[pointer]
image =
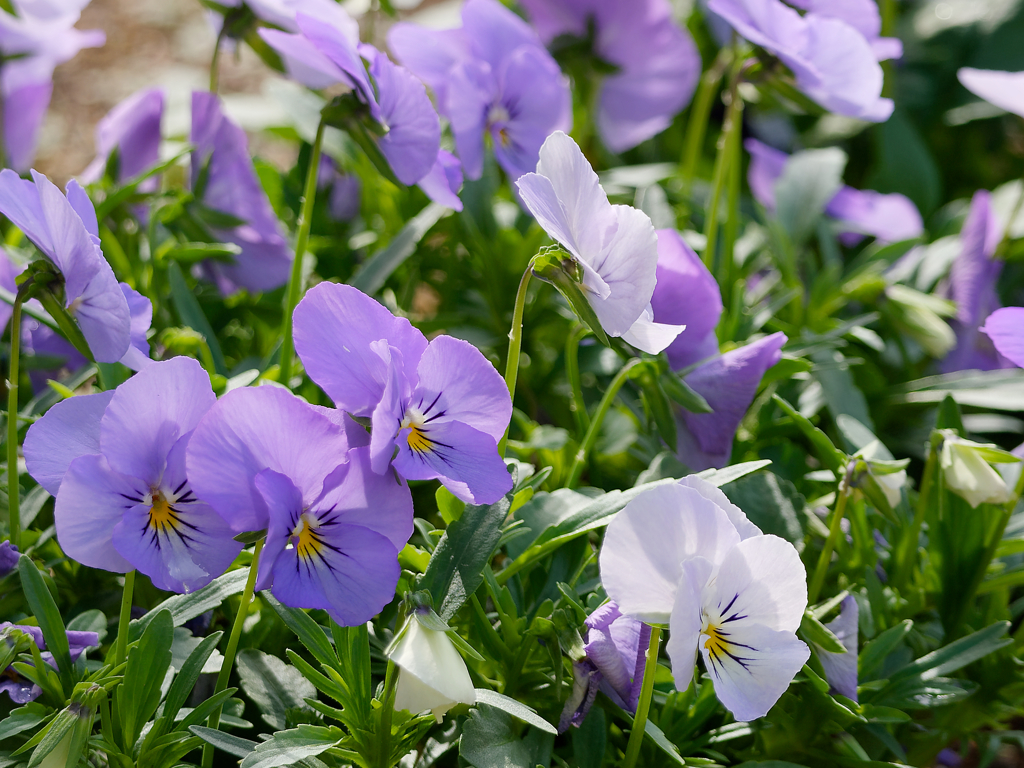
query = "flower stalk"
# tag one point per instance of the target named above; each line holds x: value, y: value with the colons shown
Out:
x: 125, y: 617
x: 13, y: 488
x: 728, y: 155
x: 515, y: 343
x: 643, y: 707
x: 906, y: 555
x: 834, y: 530
x: 572, y: 372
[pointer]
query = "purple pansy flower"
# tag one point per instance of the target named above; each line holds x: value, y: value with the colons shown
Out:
x: 116, y: 463
x: 492, y: 77
x: 327, y: 52
x: 616, y: 649
x: 343, y: 198
x: 8, y: 558
x: 972, y: 285
x: 862, y: 15
x: 64, y: 230
x: 832, y: 61
x: 133, y: 129
x: 688, y: 295
x: 263, y: 458
x: 728, y: 383
x: 841, y: 668
x: 23, y: 691
x: 888, y: 218
x: 615, y: 245
x: 444, y: 181
x: 441, y: 405
x: 1003, y: 89
x: 1006, y: 329
x: 657, y: 62
x: 232, y: 187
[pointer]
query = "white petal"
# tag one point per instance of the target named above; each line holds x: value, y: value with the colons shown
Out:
x: 649, y: 336
x: 648, y: 541
x: 968, y: 474
x: 761, y: 580
x: 754, y: 668
x: 686, y: 622
x: 737, y: 517
x: 434, y: 674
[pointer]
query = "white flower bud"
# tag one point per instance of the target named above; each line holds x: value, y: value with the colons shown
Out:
x: 968, y: 473
x: 433, y: 675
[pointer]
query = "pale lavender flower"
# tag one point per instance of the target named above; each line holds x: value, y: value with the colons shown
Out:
x: 841, y: 668
x: 657, y: 64
x: 862, y: 15
x: 1003, y: 89
x: 133, y: 129
x: 444, y: 181
x: 1006, y: 329
x: 343, y: 190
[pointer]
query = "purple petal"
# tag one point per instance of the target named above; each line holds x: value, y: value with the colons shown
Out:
x: 974, y: 273
x: 345, y: 197
x: 728, y: 383
x: 1003, y: 89
x: 686, y: 294
x: 133, y: 129
x: 284, y: 502
x: 766, y: 166
x: 82, y: 205
x: 141, y: 309
x: 495, y: 32
x: 253, y: 429
x: 337, y: 38
x: 464, y: 459
x: 841, y: 668
x: 628, y: 265
x: 70, y: 429
x: 92, y: 500
x: 613, y: 644
x: 768, y: 23
x: 9, y: 272
x: 471, y: 89
x: 304, y: 62
x: 457, y: 383
x: 1006, y: 329
x: 334, y: 327
x: 24, y: 109
x: 387, y: 416
x: 429, y: 54
x: 21, y: 691
x: 444, y: 181
x: 889, y: 218
x: 19, y: 202
x: 8, y: 558
x: 552, y: 19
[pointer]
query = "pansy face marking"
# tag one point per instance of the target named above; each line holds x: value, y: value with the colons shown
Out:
x: 716, y: 639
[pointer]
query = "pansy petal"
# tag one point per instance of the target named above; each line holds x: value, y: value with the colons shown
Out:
x: 150, y: 412
x: 133, y: 128
x: 1004, y: 89
x: 387, y: 416
x: 334, y: 41
x: 628, y: 265
x: 92, y: 500
x: 334, y: 326
x: 649, y: 336
x: 495, y: 31
x: 284, y: 504
x: 19, y: 202
x: 737, y: 517
x: 25, y: 106
x: 647, y: 542
x: 889, y: 218
x: 82, y: 205
x: 141, y: 309
x: 841, y: 668
x: 444, y: 180
x: 70, y: 429
x: 464, y: 459
x: 303, y: 62
x: 766, y: 166
x: 685, y: 623
x: 430, y: 54
x: 1006, y: 329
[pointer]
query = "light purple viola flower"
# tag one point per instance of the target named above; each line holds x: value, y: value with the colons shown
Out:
x: 442, y: 404
x: 263, y: 458
x: 129, y: 505
x: 1003, y: 89
x: 658, y: 64
x: 728, y: 383
x: 343, y: 196
x: 444, y: 181
x: 832, y: 61
x: 63, y: 229
x: 21, y: 690
x: 141, y: 309
x: 133, y: 129
x: 26, y: 100
x: 615, y: 245
x: 688, y: 295
x: 232, y: 187
x: 8, y: 558
x: 972, y: 285
x: 888, y: 218
x: 1006, y: 329
x: 862, y: 15
x: 492, y: 76
x: 841, y: 668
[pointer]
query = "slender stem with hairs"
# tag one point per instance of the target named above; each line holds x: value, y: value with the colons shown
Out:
x: 13, y: 488
x: 643, y: 707
x: 572, y: 372
x: 515, y: 343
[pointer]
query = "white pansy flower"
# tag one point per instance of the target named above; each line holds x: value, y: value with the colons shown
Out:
x: 967, y: 469
x: 432, y: 674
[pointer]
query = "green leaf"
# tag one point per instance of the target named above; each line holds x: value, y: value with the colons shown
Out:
x: 191, y: 314
x: 192, y: 253
x: 372, y: 275
x: 186, y: 607
x: 273, y: 686
x: 233, y: 745
x: 829, y: 455
x: 125, y: 192
x: 874, y: 653
x: 22, y: 719
x: 813, y: 631
x: 732, y: 473
x: 287, y: 747
x: 772, y: 503
x: 490, y: 740
x: 45, y: 610
x: 515, y: 708
x: 186, y: 679
x: 449, y: 505
x: 683, y: 395
x: 456, y: 566
x: 658, y: 737
x: 310, y: 634
x: 148, y: 661
x: 958, y: 654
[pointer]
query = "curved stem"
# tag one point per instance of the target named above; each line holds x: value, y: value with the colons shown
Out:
x: 215, y: 59
x: 572, y: 372
x: 643, y: 707
x: 515, y: 343
x: 124, y: 618
x: 595, y: 424
x: 830, y: 543
x: 734, y: 162
x: 13, y: 488
x: 732, y: 125
x: 909, y: 544
x: 294, y: 292
x: 229, y: 653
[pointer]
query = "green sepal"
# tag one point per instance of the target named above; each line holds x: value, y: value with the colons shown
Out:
x: 556, y: 266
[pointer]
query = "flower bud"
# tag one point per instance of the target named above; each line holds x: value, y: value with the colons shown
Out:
x: 967, y: 468
x: 432, y: 673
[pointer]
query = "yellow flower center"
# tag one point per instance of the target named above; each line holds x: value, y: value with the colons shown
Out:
x: 418, y: 440
x: 161, y: 514
x: 305, y: 537
x: 716, y: 645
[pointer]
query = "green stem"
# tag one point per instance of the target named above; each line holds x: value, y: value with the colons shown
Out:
x: 733, y: 123
x: 13, y: 488
x: 301, y: 240
x: 572, y: 372
x: 229, y: 654
x: 386, y: 711
x: 215, y: 59
x: 643, y: 707
x: 835, y: 528
x: 515, y: 343
x: 595, y: 425
x: 732, y: 223
x: 124, y: 618
x: 909, y: 544
x: 697, y: 124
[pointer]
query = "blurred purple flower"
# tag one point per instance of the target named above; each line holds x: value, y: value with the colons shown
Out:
x: 133, y: 129
x: 326, y: 51
x: 343, y: 197
x: 442, y: 404
x: 841, y: 668
x: 833, y: 62
x: 686, y: 294
x: 888, y: 218
x: 728, y: 383
x: 1003, y: 89
x: 232, y: 187
x: 21, y: 690
x: 492, y: 77
x: 64, y: 229
x: 8, y: 557
x: 862, y: 15
x: 444, y: 181
x: 116, y: 464
x: 1006, y: 329
x: 972, y: 285
x: 657, y: 64
x: 263, y: 458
